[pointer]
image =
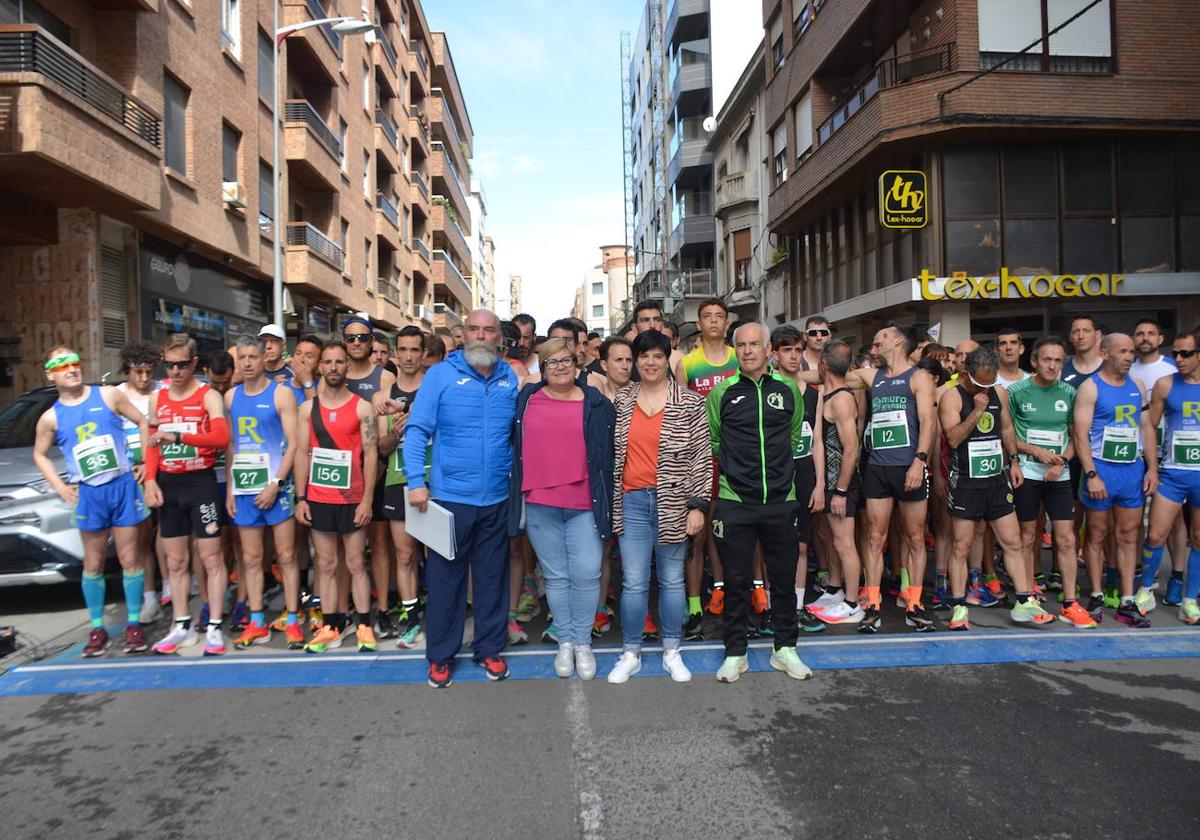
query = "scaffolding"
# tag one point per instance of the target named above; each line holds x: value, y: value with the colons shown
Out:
x: 629, y: 174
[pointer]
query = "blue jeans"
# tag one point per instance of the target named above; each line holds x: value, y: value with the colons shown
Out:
x: 569, y: 549
x: 638, y: 544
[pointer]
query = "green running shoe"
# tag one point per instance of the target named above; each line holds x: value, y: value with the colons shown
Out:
x: 1031, y: 612
x: 787, y: 660
x: 1189, y: 611
x: 732, y: 668
x: 1112, y: 599
x: 1144, y: 599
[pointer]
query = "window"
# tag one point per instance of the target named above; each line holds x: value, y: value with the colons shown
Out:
x: 266, y: 195
x: 804, y: 128
x: 598, y: 311
x: 1147, y: 193
x: 972, y: 202
x: 366, y: 184
x: 777, y: 42
x: 741, y: 260
x: 1083, y: 46
x: 366, y: 87
x: 802, y: 18
x: 779, y: 171
x: 31, y: 11
x: 1189, y: 205
x: 175, y: 97
x: 367, y: 262
x: 231, y: 141
x: 597, y: 289
x: 1030, y: 210
x: 266, y: 67
x: 342, y: 143
x: 231, y: 27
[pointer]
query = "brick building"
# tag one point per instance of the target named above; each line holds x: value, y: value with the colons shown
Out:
x: 136, y: 169
x: 1065, y: 180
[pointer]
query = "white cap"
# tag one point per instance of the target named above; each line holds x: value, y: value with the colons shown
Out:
x: 273, y: 331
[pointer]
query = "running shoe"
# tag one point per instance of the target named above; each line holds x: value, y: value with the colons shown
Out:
x: 1039, y: 580
x: 940, y: 600
x: 716, y: 601
x: 326, y: 638
x: 808, y: 622
x: 824, y: 602
x: 602, y: 623
x: 1076, y: 616
x: 240, y: 616
x: 385, y: 625
x: 177, y: 637
x: 672, y: 663
x: 1054, y: 581
x: 164, y: 597
x: 151, y: 611
x: 1144, y: 600
x: 135, y: 639
x: 760, y: 627
x: 316, y: 617
x: 1039, y: 593
x: 1189, y: 611
x: 254, y: 634
x: 918, y: 619
x: 1046, y: 540
x: 1030, y: 612
x: 97, y: 643
x: 550, y: 634
x: 693, y: 628
x: 872, y: 622
x: 960, y: 619
x: 649, y: 630
x: 994, y: 586
x: 1174, y: 596
x: 842, y: 613
x: 294, y: 635
x: 439, y: 675
x: 758, y: 600
x: 822, y: 580
x: 981, y: 596
x: 732, y: 668
x: 214, y: 641
x: 410, y: 635
x: 628, y: 665
x: 495, y: 668
x: 280, y: 624
x: 1128, y: 615
x: 365, y: 638
x: 1112, y: 598
x: 516, y: 634
x: 787, y: 660
x: 528, y: 605
x: 1095, y: 607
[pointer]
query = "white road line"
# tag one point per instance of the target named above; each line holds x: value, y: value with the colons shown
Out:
x: 583, y: 752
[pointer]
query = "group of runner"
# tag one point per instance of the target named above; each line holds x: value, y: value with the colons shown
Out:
x: 904, y: 447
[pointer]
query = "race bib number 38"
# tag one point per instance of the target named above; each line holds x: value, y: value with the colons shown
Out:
x: 330, y: 468
x: 889, y: 430
x: 96, y: 457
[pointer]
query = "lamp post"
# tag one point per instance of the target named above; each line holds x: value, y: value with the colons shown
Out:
x: 342, y: 26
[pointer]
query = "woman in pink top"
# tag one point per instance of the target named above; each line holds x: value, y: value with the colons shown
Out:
x: 563, y: 473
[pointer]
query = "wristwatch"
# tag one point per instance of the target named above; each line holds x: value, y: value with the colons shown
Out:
x: 923, y: 456
x: 179, y: 437
x: 838, y: 491
x: 1090, y: 474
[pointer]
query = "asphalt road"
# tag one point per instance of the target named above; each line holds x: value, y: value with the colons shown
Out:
x: 1096, y: 749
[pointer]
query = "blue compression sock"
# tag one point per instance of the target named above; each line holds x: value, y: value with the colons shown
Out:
x: 1110, y: 578
x: 93, y: 597
x: 257, y: 617
x: 1151, y: 558
x: 133, y: 584
x: 293, y: 618
x: 1193, y: 574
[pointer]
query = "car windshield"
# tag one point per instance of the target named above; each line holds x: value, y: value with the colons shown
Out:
x: 18, y: 421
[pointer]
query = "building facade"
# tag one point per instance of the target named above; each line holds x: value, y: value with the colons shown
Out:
x: 137, y: 164
x: 482, y: 250
x: 1058, y: 144
x: 599, y: 300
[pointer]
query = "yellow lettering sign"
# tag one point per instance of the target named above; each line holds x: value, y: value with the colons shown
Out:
x: 902, y: 195
x: 961, y: 286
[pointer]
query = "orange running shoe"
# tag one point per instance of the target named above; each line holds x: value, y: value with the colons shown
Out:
x: 1077, y: 616
x: 326, y: 638
x: 716, y: 603
x: 994, y: 586
x: 649, y: 629
x: 366, y: 638
x: 758, y: 600
x: 294, y: 634
x: 254, y: 634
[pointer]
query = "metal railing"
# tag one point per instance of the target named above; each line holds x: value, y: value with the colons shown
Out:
x: 26, y: 48
x: 388, y: 52
x: 934, y: 61
x: 389, y: 128
x: 421, y: 248
x: 302, y: 233
x: 448, y: 162
x: 389, y: 289
x: 446, y: 259
x: 419, y: 180
x: 389, y: 209
x: 415, y: 49
x: 317, y: 11
x: 447, y: 116
x: 302, y: 111
x: 422, y: 121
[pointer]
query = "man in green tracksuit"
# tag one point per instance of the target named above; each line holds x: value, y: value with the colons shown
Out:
x: 756, y: 418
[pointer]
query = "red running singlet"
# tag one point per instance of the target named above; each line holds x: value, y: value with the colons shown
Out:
x: 335, y: 474
x: 189, y: 416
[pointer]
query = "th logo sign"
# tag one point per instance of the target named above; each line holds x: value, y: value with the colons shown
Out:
x: 902, y: 199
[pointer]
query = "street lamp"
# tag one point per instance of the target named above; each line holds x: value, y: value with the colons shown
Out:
x: 342, y: 26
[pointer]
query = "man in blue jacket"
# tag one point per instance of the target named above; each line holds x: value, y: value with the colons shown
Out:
x: 467, y: 408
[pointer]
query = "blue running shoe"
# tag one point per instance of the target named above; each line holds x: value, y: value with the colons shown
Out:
x: 239, y: 619
x: 941, y: 597
x: 980, y: 596
x: 1174, y: 596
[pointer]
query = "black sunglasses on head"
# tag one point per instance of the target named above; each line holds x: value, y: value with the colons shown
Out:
x: 357, y: 338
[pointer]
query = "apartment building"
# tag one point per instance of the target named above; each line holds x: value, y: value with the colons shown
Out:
x: 137, y: 163
x: 598, y: 301
x: 482, y: 250
x: 1059, y: 149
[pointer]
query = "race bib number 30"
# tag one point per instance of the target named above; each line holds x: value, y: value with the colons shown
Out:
x: 96, y: 457
x: 251, y: 473
x: 330, y: 468
x: 1185, y: 449
x: 1119, y: 444
x: 889, y: 430
x: 984, y: 458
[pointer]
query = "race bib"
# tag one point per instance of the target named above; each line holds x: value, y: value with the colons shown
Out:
x: 177, y: 451
x: 889, y: 430
x: 984, y: 458
x: 804, y: 447
x: 133, y: 441
x: 96, y: 457
x: 1185, y: 449
x: 1119, y: 444
x: 330, y: 468
x: 1056, y: 442
x: 251, y: 473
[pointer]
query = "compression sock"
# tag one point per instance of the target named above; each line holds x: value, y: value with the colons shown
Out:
x: 904, y: 582
x: 694, y: 607
x: 914, y: 596
x: 411, y: 608
x: 257, y: 617
x: 871, y: 593
x: 1151, y: 558
x: 93, y: 597
x: 1193, y: 574
x: 1110, y: 578
x: 133, y: 583
x: 799, y: 596
x: 292, y: 618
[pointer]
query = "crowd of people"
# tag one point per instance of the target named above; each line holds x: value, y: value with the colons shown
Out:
x: 779, y: 480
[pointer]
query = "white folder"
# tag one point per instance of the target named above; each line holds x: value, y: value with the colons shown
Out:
x: 434, y: 528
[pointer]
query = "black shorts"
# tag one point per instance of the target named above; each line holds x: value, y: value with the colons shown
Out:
x: 990, y: 502
x: 1076, y: 468
x: 393, y: 503
x: 333, y: 519
x: 806, y: 482
x: 1055, y: 496
x: 854, y: 498
x: 192, y: 505
x: 377, y: 512
x: 888, y: 483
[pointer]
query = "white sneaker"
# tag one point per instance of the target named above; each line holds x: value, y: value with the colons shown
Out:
x: 673, y: 665
x: 823, y: 603
x: 842, y: 613
x: 214, y: 641
x: 628, y: 665
x: 564, y: 661
x: 150, y: 610
x: 177, y: 637
x: 585, y: 662
x: 165, y: 597
x: 732, y: 668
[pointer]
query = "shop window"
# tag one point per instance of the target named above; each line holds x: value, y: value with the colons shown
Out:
x: 972, y: 246
x: 1189, y: 243
x: 1147, y: 243
x: 1031, y: 246
x: 1089, y: 245
x: 1147, y: 177
x: 1030, y: 182
x: 1087, y: 180
x: 971, y: 182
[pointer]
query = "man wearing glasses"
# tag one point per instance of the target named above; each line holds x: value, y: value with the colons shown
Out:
x: 1176, y: 399
x: 816, y: 336
x: 189, y: 418
x: 467, y: 408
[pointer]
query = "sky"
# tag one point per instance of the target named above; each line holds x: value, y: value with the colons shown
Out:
x: 542, y: 84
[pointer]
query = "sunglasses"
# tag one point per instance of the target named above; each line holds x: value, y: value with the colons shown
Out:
x: 977, y: 383
x: 66, y: 367
x: 1184, y: 354
x: 358, y: 338
x: 816, y: 333
x: 178, y: 365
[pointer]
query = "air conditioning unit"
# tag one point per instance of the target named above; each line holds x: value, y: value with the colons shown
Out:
x: 424, y: 314
x: 231, y: 191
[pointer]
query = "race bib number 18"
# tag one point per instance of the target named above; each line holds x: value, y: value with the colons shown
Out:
x: 1185, y: 449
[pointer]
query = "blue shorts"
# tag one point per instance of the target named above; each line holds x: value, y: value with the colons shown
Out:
x: 249, y: 516
x: 1123, y: 483
x: 1180, y: 486
x: 117, y: 504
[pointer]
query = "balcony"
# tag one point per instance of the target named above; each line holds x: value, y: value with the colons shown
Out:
x: 387, y: 221
x: 420, y: 193
x: 418, y: 64
x: 690, y: 79
x: 418, y: 127
x: 445, y: 318
x: 310, y: 146
x: 389, y: 290
x: 447, y: 273
x: 389, y: 53
x: 448, y: 235
x: 446, y: 180
x: 127, y: 5
x: 737, y: 188
x: 687, y: 19
x: 312, y: 52
x: 695, y: 232
x: 68, y: 132
x: 314, y: 261
x: 421, y: 249
x: 691, y: 161
x: 441, y: 116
